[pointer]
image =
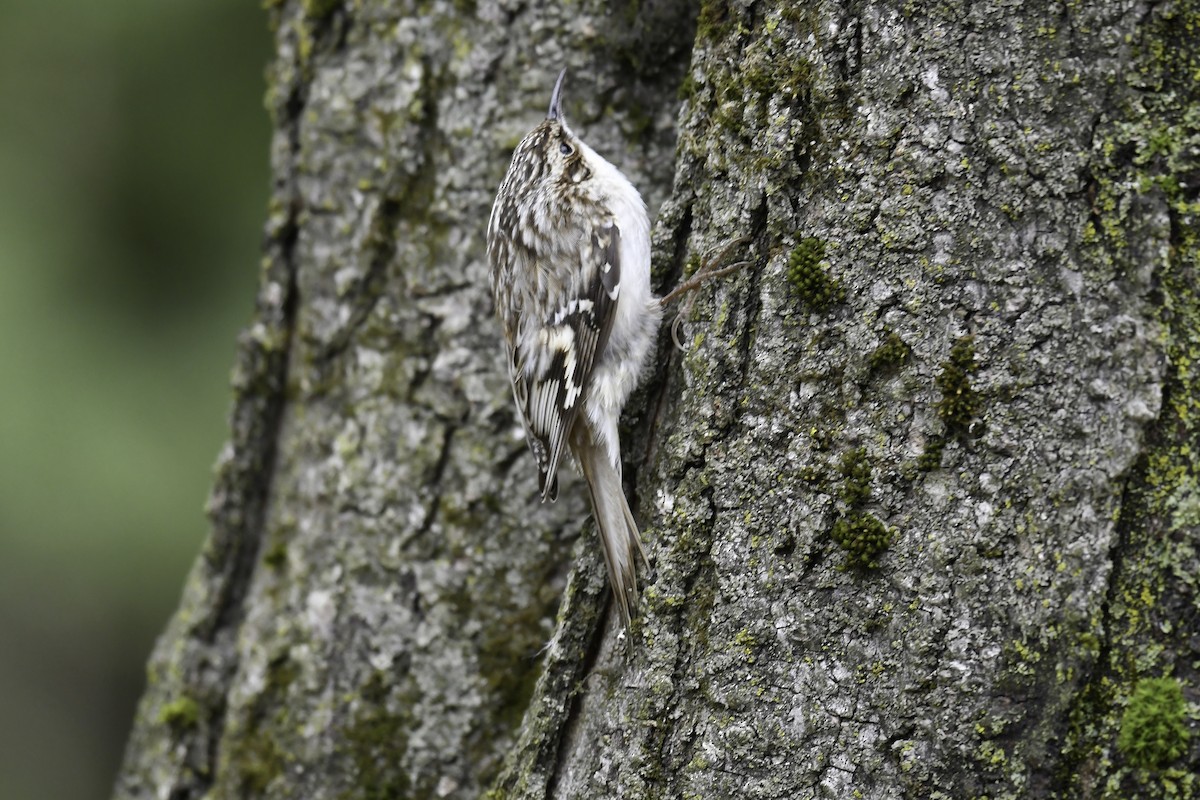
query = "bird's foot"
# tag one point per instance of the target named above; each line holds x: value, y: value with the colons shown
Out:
x: 713, y: 267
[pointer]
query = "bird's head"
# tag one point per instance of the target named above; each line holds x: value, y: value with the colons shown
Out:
x: 551, y: 153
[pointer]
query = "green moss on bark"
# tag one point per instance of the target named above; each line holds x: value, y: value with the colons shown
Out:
x: 856, y: 488
x: 959, y: 403
x: 1154, y: 727
x: 891, y: 352
x: 319, y: 9
x: 861, y: 536
x: 809, y: 275
x: 182, y: 713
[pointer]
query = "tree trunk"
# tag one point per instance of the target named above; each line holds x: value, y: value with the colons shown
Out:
x: 920, y: 492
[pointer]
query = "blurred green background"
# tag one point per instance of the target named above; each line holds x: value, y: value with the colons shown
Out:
x: 133, y: 187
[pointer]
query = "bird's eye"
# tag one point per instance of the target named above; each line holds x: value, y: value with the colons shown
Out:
x: 566, y: 149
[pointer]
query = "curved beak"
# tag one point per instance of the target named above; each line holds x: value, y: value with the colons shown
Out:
x: 555, y: 111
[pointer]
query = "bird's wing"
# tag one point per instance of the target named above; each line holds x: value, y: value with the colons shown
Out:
x: 551, y: 375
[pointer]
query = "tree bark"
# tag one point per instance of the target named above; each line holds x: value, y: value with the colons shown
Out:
x: 920, y: 493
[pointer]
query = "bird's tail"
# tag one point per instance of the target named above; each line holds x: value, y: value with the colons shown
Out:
x: 614, y: 522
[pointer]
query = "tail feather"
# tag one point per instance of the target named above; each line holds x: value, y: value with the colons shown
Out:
x: 618, y: 532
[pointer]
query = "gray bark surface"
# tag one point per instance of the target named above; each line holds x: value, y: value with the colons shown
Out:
x: 920, y: 493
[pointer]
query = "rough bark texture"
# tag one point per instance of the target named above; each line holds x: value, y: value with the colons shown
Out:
x: 921, y: 494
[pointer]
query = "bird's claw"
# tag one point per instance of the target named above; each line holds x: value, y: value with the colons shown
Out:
x: 708, y: 270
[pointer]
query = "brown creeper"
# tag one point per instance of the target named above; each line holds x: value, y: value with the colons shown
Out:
x: 569, y: 247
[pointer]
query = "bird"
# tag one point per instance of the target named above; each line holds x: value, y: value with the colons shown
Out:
x: 568, y: 245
